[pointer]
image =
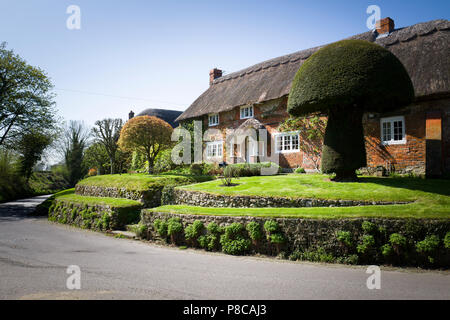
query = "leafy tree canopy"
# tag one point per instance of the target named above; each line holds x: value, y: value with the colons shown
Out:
x: 146, y: 134
x: 26, y: 102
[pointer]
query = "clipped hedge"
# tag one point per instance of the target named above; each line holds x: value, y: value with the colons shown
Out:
x: 252, y: 169
x: 96, y: 217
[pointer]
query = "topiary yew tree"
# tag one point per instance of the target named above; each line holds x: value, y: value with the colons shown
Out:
x: 344, y: 80
x: 147, y: 134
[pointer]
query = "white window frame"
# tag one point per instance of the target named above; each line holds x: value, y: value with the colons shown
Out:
x: 213, y: 116
x: 214, y: 149
x: 283, y: 137
x: 391, y: 121
x: 250, y: 112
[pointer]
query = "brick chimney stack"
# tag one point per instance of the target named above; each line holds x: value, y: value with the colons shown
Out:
x: 385, y: 26
x: 214, y: 74
x: 131, y: 115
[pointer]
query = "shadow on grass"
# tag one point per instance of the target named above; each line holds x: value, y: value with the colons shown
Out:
x: 437, y: 186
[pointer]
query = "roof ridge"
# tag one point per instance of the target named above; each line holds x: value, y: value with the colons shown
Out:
x: 438, y: 25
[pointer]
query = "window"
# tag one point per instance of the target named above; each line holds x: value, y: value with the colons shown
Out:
x: 213, y: 119
x: 393, y: 130
x: 246, y: 112
x: 214, y: 149
x: 287, y: 142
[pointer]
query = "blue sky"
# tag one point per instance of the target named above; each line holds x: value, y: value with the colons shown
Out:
x: 139, y: 54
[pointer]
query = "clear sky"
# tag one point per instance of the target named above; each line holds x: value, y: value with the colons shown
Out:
x: 139, y: 54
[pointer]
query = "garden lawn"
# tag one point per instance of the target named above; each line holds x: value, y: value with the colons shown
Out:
x: 415, y: 210
x: 429, y: 198
x: 69, y: 195
x: 141, y: 181
x: 317, y: 186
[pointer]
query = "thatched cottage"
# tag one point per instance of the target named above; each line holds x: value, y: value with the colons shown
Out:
x: 414, y: 139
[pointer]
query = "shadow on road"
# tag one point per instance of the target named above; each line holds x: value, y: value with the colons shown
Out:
x: 20, y: 209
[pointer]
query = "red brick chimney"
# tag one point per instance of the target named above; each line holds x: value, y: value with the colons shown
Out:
x: 214, y: 74
x: 385, y: 25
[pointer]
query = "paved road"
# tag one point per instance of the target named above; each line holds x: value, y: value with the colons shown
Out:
x: 35, y: 254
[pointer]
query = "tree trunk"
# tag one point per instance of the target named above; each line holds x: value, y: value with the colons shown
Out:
x: 344, y: 148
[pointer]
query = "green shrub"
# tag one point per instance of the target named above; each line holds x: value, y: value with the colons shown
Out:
x: 254, y: 230
x: 368, y: 227
x: 386, y: 250
x: 345, y: 237
x: 196, y: 169
x: 233, y: 241
x: 253, y: 169
x: 106, y: 221
x: 174, y: 226
x: 277, y: 238
x: 214, y: 228
x: 429, y: 247
x: 141, y: 231
x: 161, y: 227
x: 447, y: 240
x: 193, y: 231
x: 398, y: 242
x: 368, y: 242
x: 229, y: 173
x: 300, y: 170
x: 271, y: 226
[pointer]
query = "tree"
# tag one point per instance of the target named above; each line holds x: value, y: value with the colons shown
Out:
x: 107, y: 133
x: 31, y: 146
x: 95, y: 156
x: 311, y: 130
x: 344, y: 80
x: 74, y: 144
x: 146, y: 134
x: 26, y: 102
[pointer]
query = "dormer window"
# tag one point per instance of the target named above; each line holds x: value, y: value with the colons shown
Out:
x: 213, y: 119
x: 246, y: 112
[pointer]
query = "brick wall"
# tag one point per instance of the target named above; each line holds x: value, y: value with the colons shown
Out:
x: 411, y: 156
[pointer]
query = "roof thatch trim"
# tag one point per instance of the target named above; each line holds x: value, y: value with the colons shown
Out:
x: 423, y: 49
x: 169, y: 116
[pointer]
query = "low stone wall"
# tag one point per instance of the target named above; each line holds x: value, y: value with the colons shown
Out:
x: 149, y: 198
x: 203, y: 199
x: 96, y: 217
x: 321, y: 235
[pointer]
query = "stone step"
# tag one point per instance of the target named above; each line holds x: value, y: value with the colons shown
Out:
x: 124, y: 234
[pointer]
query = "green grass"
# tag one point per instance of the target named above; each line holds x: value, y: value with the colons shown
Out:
x: 414, y: 210
x: 140, y: 181
x: 316, y: 186
x: 429, y: 198
x: 69, y: 195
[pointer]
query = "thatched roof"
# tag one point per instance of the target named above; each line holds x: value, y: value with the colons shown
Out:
x: 169, y: 116
x: 424, y: 49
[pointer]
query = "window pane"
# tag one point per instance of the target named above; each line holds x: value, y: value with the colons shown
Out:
x: 386, y: 131
x: 287, y: 143
x: 398, y: 130
x: 250, y: 112
x: 279, y: 143
x: 295, y: 145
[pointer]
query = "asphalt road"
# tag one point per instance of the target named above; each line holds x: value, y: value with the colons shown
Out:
x: 35, y: 254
